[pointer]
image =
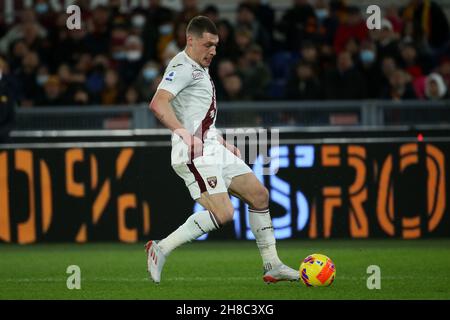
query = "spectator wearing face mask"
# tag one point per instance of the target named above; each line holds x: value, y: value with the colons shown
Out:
x: 148, y: 80
x: 45, y: 13
x: 130, y: 67
x: 435, y: 88
x: 327, y: 20
x: 138, y: 20
x: 370, y: 69
x: 157, y: 23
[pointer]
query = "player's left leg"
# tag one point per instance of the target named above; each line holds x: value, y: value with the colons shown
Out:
x: 248, y: 188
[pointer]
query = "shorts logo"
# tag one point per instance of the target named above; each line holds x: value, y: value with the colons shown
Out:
x: 197, y: 74
x: 170, y: 76
x: 212, y: 181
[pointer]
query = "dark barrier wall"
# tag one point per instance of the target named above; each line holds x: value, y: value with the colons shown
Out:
x: 92, y: 192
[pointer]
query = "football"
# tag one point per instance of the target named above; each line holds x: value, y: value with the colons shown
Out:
x: 317, y: 270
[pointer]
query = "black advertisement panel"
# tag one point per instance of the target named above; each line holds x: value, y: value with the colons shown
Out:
x: 92, y: 192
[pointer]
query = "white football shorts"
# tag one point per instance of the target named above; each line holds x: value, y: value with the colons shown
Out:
x: 212, y: 172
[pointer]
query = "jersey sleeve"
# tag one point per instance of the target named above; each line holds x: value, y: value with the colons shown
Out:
x: 176, y: 78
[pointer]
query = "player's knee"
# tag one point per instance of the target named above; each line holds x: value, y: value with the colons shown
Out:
x: 260, y: 199
x: 224, y: 215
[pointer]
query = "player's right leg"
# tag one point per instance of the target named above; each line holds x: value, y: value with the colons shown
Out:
x: 219, y: 210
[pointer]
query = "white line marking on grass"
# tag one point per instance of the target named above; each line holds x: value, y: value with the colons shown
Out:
x: 196, y: 279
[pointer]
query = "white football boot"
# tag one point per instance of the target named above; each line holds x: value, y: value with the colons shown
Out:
x: 155, y: 260
x: 280, y: 273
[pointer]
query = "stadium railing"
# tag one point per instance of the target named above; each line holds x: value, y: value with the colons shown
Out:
x: 238, y: 114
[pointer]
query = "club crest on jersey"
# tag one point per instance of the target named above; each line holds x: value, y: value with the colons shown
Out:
x: 212, y: 181
x: 170, y: 76
x: 197, y: 74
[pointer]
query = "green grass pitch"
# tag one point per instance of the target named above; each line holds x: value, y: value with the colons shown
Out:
x: 232, y: 270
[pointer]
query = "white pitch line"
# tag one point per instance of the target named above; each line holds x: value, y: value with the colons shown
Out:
x: 196, y: 279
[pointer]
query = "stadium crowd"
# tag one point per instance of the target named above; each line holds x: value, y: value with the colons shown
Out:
x: 315, y: 50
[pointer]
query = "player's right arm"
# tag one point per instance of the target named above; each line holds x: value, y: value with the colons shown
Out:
x: 161, y: 108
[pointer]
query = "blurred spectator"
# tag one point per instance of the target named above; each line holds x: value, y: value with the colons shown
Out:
x: 8, y: 100
x: 352, y: 47
x: 69, y: 46
x: 327, y: 19
x: 131, y: 96
x: 212, y: 12
x: 80, y: 97
x: 254, y: 73
x: 117, y: 47
x: 345, y: 82
x: 53, y: 94
x: 303, y: 85
x: 233, y: 89
x: 410, y: 60
x: 225, y: 68
x: 17, y: 51
x: 26, y: 75
x: 430, y: 24
x: 246, y: 18
x: 435, y: 88
x: 188, y: 11
x: 355, y: 27
x: 97, y: 40
x: 387, y: 40
x: 370, y: 69
x: 45, y: 13
x: 138, y: 20
x: 119, y: 35
x: 297, y: 24
x: 95, y: 81
x: 388, y: 66
x: 400, y: 87
x: 148, y: 80
x: 392, y: 14
x: 110, y: 94
x: 264, y: 13
x: 28, y: 24
x: 158, y: 22
x: 176, y: 45
x: 130, y: 67
x: 310, y: 55
x: 244, y: 39
x: 444, y: 71
x: 227, y: 43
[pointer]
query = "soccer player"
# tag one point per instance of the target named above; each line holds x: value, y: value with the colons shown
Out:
x: 185, y: 102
